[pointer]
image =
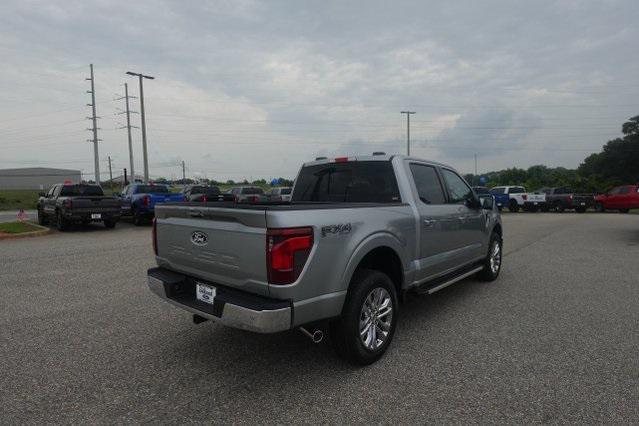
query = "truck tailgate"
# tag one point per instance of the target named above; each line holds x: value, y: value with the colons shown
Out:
x: 226, y: 246
x: 96, y: 204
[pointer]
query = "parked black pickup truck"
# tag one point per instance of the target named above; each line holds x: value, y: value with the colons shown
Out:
x: 65, y: 204
x: 564, y: 198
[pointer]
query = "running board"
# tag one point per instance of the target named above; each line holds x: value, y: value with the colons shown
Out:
x: 452, y: 280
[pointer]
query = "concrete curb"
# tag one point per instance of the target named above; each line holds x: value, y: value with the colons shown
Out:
x: 43, y: 231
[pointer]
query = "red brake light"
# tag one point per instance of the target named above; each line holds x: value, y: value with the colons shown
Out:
x: 154, y: 233
x: 68, y: 203
x: 147, y: 200
x: 287, y: 250
x: 524, y: 197
x: 341, y: 160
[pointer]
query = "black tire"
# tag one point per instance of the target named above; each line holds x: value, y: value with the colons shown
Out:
x: 513, y: 206
x: 42, y: 219
x: 138, y: 219
x: 489, y: 273
x: 533, y: 209
x: 580, y: 210
x: 624, y: 210
x: 544, y: 208
x: 61, y: 222
x: 559, y: 207
x: 345, y: 330
x: 599, y: 208
x: 109, y: 224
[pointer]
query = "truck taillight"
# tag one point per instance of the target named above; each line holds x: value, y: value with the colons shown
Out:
x: 154, y: 233
x: 524, y: 197
x: 253, y: 199
x: 204, y: 198
x: 287, y: 250
x: 68, y: 203
x: 147, y: 200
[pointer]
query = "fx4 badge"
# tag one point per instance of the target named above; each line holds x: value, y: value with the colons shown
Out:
x: 342, y: 228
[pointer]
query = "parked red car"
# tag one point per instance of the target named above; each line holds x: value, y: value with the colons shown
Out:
x: 622, y: 198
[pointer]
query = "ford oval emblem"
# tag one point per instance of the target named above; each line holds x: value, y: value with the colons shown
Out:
x: 199, y: 238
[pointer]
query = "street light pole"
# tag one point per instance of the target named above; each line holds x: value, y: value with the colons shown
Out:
x: 144, y: 149
x: 408, y: 114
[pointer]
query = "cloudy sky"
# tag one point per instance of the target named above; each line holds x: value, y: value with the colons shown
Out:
x: 248, y: 89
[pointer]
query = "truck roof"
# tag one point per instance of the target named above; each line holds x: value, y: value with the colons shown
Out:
x: 377, y: 157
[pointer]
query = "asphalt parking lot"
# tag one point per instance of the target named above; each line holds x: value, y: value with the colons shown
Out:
x: 554, y: 339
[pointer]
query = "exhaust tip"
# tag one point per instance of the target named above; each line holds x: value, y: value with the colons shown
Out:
x: 316, y: 336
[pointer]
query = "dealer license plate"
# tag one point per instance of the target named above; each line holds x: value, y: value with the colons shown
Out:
x: 96, y: 216
x: 205, y: 293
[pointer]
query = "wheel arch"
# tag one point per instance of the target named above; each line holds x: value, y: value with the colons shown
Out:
x: 380, y: 252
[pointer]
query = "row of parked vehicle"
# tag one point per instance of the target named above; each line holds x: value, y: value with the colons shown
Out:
x: 514, y: 198
x: 67, y: 203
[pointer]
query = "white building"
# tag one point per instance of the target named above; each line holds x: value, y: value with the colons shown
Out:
x: 36, y: 177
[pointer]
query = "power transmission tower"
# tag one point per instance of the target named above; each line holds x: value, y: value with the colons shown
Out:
x: 110, y: 174
x: 128, y: 126
x: 94, y: 118
x: 144, y: 151
x: 183, y: 173
x: 408, y: 114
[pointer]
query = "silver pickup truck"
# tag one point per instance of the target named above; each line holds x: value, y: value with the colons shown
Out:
x: 358, y: 233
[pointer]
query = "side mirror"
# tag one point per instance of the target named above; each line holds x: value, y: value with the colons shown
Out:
x: 487, y: 202
x: 473, y: 203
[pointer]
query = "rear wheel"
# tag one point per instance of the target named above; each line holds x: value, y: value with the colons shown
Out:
x: 513, y: 206
x: 109, y: 224
x: 624, y: 210
x: 138, y: 219
x: 559, y: 207
x: 366, y: 327
x: 42, y: 219
x: 61, y: 222
x: 599, y: 207
x: 580, y: 210
x: 492, y: 263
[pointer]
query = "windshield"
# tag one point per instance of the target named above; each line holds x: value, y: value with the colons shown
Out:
x: 81, y: 190
x: 356, y: 181
x: 148, y: 189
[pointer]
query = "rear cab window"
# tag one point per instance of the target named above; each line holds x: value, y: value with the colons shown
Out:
x: 155, y: 189
x: 352, y: 181
x: 81, y: 190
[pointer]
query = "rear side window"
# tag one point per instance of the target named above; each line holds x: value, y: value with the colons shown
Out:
x: 429, y: 187
x: 458, y: 190
x: 498, y: 191
x: 80, y: 190
x: 355, y: 182
x: 517, y: 190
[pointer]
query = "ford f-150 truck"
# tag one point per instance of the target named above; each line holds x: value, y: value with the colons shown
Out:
x: 67, y: 203
x: 139, y: 200
x: 358, y: 234
x: 564, y: 198
x: 512, y: 197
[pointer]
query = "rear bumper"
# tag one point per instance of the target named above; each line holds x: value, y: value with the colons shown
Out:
x: 231, y: 307
x: 86, y: 215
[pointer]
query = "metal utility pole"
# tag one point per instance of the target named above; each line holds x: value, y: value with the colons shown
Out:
x: 408, y: 114
x: 144, y: 150
x: 128, y: 126
x: 94, y: 118
x: 110, y: 174
x: 474, y: 179
x: 183, y: 173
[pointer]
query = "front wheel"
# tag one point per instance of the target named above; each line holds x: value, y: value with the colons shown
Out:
x: 366, y: 327
x: 492, y: 263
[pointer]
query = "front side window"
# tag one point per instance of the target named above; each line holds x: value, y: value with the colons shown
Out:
x: 429, y: 187
x: 624, y: 190
x: 458, y: 190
